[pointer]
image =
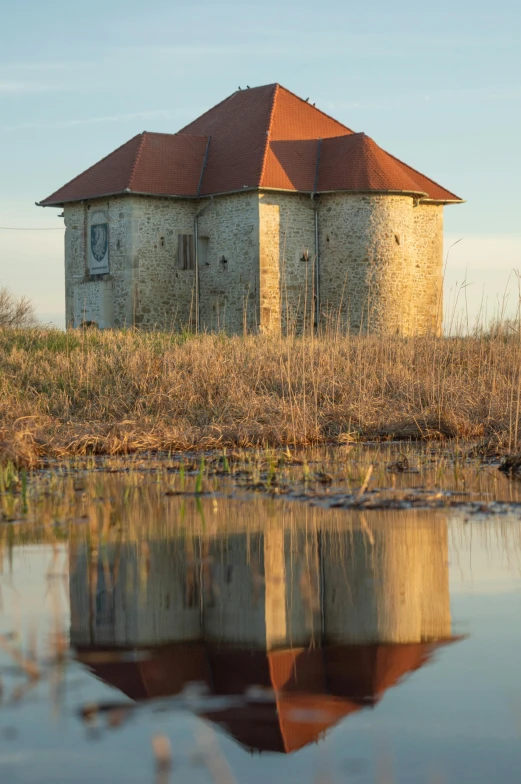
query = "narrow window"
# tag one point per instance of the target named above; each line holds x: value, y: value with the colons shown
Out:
x: 202, y: 251
x: 185, y: 252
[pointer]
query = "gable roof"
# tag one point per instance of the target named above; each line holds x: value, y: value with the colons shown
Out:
x: 264, y: 137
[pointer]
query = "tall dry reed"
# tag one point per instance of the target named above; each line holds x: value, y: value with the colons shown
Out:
x: 121, y: 392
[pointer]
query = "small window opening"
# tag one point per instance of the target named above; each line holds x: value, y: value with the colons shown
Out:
x: 185, y: 252
x: 162, y: 242
x: 202, y: 251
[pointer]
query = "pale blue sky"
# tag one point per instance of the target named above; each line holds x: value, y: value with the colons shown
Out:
x: 438, y: 85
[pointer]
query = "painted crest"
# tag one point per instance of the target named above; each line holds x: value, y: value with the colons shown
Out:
x: 99, y: 241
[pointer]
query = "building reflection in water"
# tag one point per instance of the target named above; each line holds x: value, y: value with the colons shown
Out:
x: 305, y: 625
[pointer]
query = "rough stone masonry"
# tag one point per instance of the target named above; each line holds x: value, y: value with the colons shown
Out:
x: 380, y: 263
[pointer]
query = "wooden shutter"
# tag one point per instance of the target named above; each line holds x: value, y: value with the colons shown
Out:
x: 185, y: 252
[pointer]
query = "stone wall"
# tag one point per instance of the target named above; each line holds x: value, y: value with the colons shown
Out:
x: 269, y: 267
x: 79, y: 288
x: 287, y: 235
x: 164, y: 294
x: 147, y: 288
x: 380, y: 263
x: 75, y: 257
x: 93, y: 304
x: 229, y: 290
x: 428, y: 272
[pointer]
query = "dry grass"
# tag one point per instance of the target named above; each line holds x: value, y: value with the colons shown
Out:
x: 122, y: 392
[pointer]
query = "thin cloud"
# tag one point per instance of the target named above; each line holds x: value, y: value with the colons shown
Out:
x: 111, y: 118
x: 343, y: 46
x: 15, y: 88
x: 40, y: 66
x: 435, y: 97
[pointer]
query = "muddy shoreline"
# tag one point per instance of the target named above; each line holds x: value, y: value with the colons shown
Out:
x: 393, y: 476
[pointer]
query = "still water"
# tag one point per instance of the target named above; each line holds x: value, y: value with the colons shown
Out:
x: 259, y: 640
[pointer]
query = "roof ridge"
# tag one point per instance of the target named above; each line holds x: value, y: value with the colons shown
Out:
x: 345, y: 136
x: 402, y: 163
x: 93, y: 165
x: 316, y: 109
x: 164, y: 133
x: 268, y: 132
x: 136, y: 159
x: 203, y: 167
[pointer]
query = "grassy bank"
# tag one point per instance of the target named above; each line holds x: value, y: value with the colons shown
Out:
x: 121, y: 392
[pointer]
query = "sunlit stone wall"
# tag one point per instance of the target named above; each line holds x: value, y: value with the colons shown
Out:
x: 149, y: 288
x: 380, y: 262
x: 287, y: 261
x: 164, y: 295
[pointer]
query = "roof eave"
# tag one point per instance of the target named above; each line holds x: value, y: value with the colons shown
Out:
x: 374, y: 192
x: 424, y: 197
x: 418, y: 194
x: 63, y: 202
x: 126, y: 192
x: 45, y: 203
x: 443, y: 201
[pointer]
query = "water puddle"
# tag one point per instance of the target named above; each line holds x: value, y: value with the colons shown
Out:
x: 155, y: 631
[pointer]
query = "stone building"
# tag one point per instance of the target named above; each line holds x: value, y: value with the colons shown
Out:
x: 262, y: 214
x: 287, y: 631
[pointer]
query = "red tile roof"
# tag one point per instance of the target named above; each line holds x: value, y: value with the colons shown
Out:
x: 169, y: 164
x: 264, y: 137
x: 291, y: 165
x: 238, y: 127
x: 306, y: 690
x: 357, y: 163
x: 161, y: 164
